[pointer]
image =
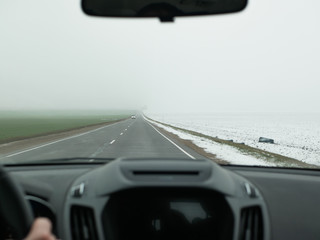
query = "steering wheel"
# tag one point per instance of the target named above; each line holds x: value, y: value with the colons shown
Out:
x: 15, y: 212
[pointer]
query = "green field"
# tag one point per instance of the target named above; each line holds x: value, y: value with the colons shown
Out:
x: 19, y: 125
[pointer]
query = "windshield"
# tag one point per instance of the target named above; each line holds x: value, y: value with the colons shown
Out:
x: 240, y: 89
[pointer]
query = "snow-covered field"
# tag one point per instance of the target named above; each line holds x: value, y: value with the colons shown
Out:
x: 295, y: 136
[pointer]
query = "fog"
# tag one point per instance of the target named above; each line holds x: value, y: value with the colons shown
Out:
x: 264, y: 59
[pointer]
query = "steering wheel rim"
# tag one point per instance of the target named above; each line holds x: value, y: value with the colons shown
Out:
x: 14, y: 210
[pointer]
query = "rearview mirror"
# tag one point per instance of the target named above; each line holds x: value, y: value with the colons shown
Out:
x: 165, y: 10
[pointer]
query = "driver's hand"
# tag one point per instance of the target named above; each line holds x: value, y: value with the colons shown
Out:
x: 41, y: 230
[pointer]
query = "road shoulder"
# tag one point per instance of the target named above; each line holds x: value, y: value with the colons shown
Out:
x: 15, y: 146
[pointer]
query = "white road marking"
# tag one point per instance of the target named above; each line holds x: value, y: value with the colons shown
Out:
x: 47, y: 144
x: 112, y: 141
x: 99, y: 150
x: 121, y: 134
x: 189, y: 155
x: 125, y: 129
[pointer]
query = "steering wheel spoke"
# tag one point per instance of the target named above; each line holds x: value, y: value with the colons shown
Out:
x: 14, y: 210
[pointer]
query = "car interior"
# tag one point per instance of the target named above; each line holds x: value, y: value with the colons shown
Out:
x: 192, y: 199
x: 159, y: 198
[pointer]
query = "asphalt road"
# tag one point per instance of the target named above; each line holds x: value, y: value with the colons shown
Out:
x: 128, y: 138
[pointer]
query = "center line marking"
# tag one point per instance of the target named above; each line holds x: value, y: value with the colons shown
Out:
x: 112, y: 141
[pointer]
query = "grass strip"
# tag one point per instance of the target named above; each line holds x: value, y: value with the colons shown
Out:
x: 17, y: 128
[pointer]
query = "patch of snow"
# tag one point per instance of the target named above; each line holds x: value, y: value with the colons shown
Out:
x: 222, y: 151
x: 296, y: 136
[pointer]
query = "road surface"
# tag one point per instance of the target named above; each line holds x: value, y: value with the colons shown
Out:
x: 128, y: 138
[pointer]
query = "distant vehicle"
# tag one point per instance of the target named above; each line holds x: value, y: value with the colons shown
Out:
x: 133, y: 117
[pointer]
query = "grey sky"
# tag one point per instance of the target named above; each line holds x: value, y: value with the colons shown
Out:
x: 265, y: 59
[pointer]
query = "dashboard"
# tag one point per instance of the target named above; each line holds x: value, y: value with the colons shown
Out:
x: 172, y: 199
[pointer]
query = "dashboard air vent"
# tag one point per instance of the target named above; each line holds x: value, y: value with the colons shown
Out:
x: 83, y: 224
x: 251, y: 224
